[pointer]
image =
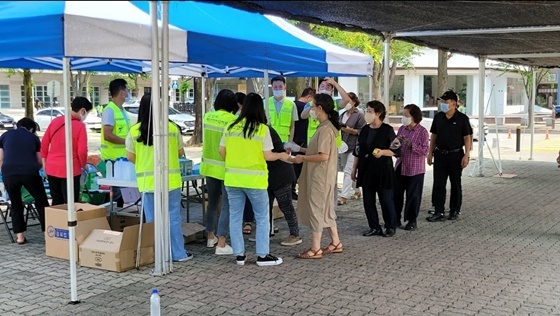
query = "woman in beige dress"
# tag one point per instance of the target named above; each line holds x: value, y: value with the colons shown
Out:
x: 315, y: 205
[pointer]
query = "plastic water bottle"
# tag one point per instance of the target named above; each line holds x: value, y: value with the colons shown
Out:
x: 119, y: 172
x: 94, y: 185
x: 154, y: 303
x: 109, y: 169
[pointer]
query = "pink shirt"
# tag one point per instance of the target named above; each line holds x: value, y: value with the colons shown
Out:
x: 413, y: 159
x: 53, y: 147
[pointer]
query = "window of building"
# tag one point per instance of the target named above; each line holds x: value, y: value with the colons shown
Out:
x: 4, y: 96
x: 39, y: 93
x: 515, y: 91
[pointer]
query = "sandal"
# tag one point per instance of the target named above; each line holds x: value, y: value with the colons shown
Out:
x: 342, y: 201
x: 314, y: 254
x: 247, y: 231
x: 337, y: 248
x: 357, y: 195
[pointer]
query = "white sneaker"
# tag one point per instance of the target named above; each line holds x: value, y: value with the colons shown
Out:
x: 212, y: 242
x: 268, y: 260
x: 226, y: 250
x: 187, y: 258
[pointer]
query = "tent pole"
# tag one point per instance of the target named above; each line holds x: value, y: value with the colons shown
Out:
x: 165, y: 139
x: 532, y: 111
x: 203, y: 87
x: 70, y: 184
x: 481, y: 140
x: 386, y: 66
x: 158, y: 264
x: 265, y: 94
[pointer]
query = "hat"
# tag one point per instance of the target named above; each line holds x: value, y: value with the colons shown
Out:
x: 449, y: 95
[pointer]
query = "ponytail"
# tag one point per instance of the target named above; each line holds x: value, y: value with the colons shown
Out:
x: 334, y: 118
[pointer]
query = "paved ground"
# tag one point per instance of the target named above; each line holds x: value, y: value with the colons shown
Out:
x: 499, y: 258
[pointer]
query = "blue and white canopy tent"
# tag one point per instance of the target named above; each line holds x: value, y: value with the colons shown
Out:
x: 107, y: 36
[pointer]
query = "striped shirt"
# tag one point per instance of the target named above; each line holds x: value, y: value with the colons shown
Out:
x: 413, y: 158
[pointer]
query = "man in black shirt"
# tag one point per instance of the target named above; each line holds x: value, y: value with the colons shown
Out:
x: 300, y: 130
x: 451, y: 131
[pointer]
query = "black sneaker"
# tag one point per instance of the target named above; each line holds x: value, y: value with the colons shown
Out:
x: 437, y: 218
x: 453, y: 216
x: 268, y: 260
x: 241, y: 260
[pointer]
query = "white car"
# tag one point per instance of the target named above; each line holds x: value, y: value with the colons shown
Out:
x: 44, y: 117
x: 428, y: 114
x: 185, y: 121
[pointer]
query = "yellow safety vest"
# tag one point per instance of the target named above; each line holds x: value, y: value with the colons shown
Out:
x: 245, y: 164
x: 312, y: 128
x: 282, y: 121
x: 111, y: 151
x: 144, y: 164
x: 212, y: 164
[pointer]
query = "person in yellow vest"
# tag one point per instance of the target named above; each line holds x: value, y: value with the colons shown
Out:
x: 140, y: 151
x: 213, y: 168
x: 116, y: 126
x: 282, y: 112
x: 246, y: 146
x: 327, y: 86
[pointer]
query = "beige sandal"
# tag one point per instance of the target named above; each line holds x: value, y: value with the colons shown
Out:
x: 314, y: 255
x: 357, y: 195
x: 342, y: 201
x: 337, y: 248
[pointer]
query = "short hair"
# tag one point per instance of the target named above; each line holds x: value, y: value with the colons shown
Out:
x: 378, y: 107
x: 81, y: 103
x: 117, y: 86
x: 28, y: 124
x: 308, y: 91
x: 240, y: 96
x: 415, y: 112
x: 278, y: 78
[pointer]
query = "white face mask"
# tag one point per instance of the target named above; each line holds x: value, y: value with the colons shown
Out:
x: 313, y: 114
x: 406, y: 120
x: 278, y: 93
x: 369, y: 117
x: 323, y: 91
x: 83, y: 117
x: 349, y: 106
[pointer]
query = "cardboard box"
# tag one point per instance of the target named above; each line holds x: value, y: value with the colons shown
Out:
x: 57, y: 235
x: 118, y: 223
x: 276, y: 212
x: 116, y: 251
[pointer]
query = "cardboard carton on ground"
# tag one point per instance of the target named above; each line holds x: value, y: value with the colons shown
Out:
x: 88, y: 216
x: 116, y: 251
x: 118, y: 222
x: 276, y: 212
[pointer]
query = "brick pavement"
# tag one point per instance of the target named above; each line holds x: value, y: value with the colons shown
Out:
x: 499, y: 258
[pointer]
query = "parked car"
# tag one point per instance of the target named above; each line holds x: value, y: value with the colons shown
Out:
x: 428, y: 114
x: 45, y: 116
x: 185, y: 122
x: 7, y: 122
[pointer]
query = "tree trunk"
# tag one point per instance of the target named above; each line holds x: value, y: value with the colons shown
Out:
x: 377, y: 71
x: 196, y: 139
x: 443, y: 56
x: 135, y: 90
x: 87, y: 79
x: 28, y: 87
x: 300, y: 86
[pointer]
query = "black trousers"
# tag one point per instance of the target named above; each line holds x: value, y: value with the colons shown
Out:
x: 447, y: 167
x: 59, y: 192
x: 411, y: 187
x: 284, y: 197
x: 387, y: 207
x: 35, y: 187
x: 248, y: 215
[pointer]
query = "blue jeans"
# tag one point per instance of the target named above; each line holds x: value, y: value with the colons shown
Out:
x: 259, y: 201
x: 177, y: 241
x: 216, y: 191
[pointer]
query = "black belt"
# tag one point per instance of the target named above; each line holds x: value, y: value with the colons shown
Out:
x: 450, y: 151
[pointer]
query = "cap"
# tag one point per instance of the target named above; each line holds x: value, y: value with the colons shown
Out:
x: 449, y: 95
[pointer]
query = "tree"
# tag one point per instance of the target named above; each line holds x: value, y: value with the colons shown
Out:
x: 526, y: 73
x: 401, y: 52
x: 196, y: 138
x: 443, y: 57
x: 184, y: 87
x: 131, y: 80
x: 27, y: 87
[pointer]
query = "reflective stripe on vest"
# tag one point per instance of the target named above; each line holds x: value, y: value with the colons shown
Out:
x: 245, y: 163
x: 212, y: 164
x: 110, y: 150
x: 282, y: 121
x: 144, y: 164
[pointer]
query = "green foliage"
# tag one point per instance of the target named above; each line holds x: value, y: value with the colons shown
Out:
x: 526, y: 73
x: 401, y: 52
x: 184, y: 87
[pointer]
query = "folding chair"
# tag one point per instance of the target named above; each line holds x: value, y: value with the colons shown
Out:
x: 28, y: 208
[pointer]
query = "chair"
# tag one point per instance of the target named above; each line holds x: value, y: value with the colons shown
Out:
x: 87, y: 192
x: 28, y: 207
